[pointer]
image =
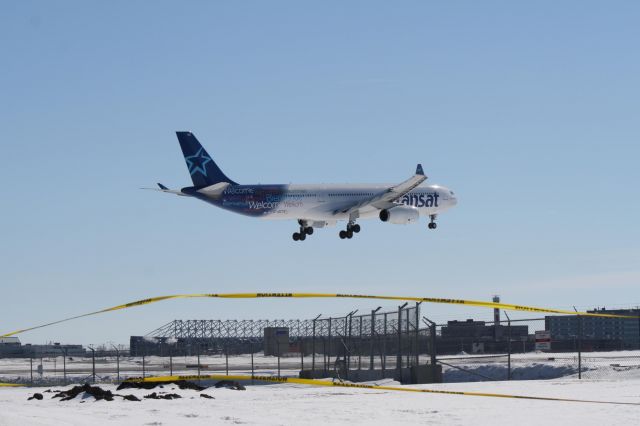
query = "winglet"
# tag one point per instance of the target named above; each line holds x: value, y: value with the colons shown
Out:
x: 164, y: 188
x: 419, y: 170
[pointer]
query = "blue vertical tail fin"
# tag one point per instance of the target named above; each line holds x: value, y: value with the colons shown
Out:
x: 204, y: 171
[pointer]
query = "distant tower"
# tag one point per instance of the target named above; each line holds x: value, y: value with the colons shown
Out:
x: 496, y: 318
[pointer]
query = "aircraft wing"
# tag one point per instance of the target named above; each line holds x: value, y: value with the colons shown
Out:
x: 385, y: 199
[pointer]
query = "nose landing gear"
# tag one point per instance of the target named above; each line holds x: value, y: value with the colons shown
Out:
x: 352, y: 228
x: 433, y: 224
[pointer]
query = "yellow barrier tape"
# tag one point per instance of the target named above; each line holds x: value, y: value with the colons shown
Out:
x: 312, y: 382
x: 10, y: 385
x: 327, y: 295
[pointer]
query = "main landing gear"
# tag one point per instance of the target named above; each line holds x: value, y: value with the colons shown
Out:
x: 351, y: 229
x: 433, y: 224
x: 304, y: 231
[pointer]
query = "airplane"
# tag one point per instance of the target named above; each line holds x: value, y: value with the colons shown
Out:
x: 315, y: 205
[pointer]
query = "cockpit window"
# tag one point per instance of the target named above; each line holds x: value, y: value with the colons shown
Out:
x: 451, y: 192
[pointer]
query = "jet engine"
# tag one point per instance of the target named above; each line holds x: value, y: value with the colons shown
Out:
x: 400, y: 215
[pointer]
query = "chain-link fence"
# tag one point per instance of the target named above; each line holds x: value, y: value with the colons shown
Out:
x: 400, y: 344
x: 539, y: 348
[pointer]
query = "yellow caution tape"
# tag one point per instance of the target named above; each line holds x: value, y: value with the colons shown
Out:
x: 10, y: 385
x: 329, y: 295
x: 312, y: 382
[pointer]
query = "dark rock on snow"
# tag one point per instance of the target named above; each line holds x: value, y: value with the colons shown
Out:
x: 229, y: 384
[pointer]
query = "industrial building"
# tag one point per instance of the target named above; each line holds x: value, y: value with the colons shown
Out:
x: 10, y: 347
x: 481, y: 337
x: 595, y: 333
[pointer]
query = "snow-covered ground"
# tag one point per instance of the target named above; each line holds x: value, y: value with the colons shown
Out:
x: 286, y: 404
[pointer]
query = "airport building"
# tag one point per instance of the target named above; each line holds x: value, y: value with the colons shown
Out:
x: 10, y: 347
x: 596, y: 332
x: 472, y: 336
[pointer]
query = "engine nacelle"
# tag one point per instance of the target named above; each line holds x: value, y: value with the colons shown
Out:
x: 400, y: 215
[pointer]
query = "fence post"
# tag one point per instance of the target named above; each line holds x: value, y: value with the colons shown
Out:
x: 408, y: 338
x: 93, y: 364
x: 324, y: 354
x: 417, y: 347
x: 432, y: 339
x: 579, y: 344
x: 384, y: 346
x: 329, y: 355
x: 373, y: 332
x: 360, y: 346
x: 313, y: 344
x: 301, y: 354
x: 348, y: 345
x: 278, y: 346
x: 508, y: 344
x: 399, y: 353
x: 31, y: 366
x: 198, y: 357
x: 252, y: 365
x: 226, y: 358
x: 313, y: 347
x: 64, y: 366
x: 580, y: 348
x: 638, y: 314
x: 170, y: 362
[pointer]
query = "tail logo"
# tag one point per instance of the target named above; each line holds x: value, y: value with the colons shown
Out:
x: 197, y: 162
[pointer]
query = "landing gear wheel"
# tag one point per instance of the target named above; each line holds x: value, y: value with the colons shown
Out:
x: 309, y: 230
x: 355, y: 228
x: 433, y: 225
x: 349, y: 234
x: 343, y: 235
x: 302, y: 236
x: 296, y: 236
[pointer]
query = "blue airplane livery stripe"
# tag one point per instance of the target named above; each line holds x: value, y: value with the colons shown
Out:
x: 248, y: 200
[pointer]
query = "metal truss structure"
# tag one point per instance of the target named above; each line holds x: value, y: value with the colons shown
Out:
x: 349, y: 325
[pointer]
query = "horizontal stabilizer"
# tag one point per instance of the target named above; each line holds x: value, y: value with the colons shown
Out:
x: 167, y: 190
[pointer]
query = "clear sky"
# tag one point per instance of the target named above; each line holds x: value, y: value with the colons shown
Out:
x: 529, y: 111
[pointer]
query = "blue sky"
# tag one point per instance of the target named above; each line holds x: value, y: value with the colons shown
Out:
x: 529, y: 111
